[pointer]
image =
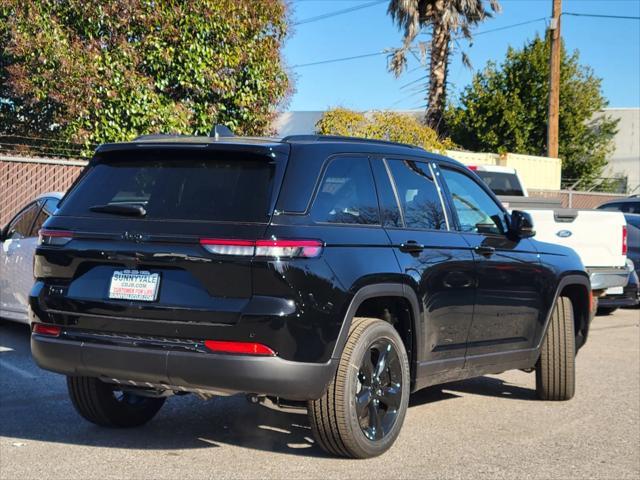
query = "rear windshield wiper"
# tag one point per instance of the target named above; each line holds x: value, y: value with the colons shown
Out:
x: 120, y: 209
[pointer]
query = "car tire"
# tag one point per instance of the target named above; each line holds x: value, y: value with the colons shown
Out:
x: 555, y: 369
x: 606, y: 310
x: 100, y: 403
x: 380, y: 386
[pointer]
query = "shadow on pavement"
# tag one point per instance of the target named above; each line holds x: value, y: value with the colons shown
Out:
x: 39, y: 410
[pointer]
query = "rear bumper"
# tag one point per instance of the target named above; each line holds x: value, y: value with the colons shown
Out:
x: 603, y: 278
x: 190, y: 371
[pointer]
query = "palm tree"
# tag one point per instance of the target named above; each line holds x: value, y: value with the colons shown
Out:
x: 446, y: 19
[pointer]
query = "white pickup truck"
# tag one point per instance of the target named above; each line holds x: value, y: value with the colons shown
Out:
x: 598, y: 237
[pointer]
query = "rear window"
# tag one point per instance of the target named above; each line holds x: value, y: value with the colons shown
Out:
x: 226, y: 187
x: 502, y: 183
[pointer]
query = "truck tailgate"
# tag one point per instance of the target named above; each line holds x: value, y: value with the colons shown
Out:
x: 595, y: 235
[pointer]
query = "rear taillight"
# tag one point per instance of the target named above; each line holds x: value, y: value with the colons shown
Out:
x: 54, y: 237
x: 288, y: 248
x: 50, y: 330
x: 221, y: 246
x: 473, y: 168
x: 240, y: 348
x: 264, y: 248
x: 624, y: 240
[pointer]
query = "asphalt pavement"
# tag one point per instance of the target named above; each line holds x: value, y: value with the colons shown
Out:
x: 490, y: 427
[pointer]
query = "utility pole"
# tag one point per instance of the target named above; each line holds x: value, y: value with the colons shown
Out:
x: 554, y: 81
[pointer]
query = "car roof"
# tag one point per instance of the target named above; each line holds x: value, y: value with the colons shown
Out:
x: 493, y: 168
x: 631, y: 199
x: 57, y: 195
x: 329, y: 142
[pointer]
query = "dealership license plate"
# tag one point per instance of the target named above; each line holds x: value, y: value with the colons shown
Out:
x: 134, y: 285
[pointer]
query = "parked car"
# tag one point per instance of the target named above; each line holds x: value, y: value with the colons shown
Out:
x: 598, y: 237
x: 630, y: 204
x: 629, y: 295
x: 326, y: 275
x: 19, y: 238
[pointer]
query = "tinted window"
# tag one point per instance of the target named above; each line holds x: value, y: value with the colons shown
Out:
x: 502, y: 183
x: 611, y: 206
x: 633, y: 219
x: 48, y: 207
x: 389, y: 209
x: 347, y: 193
x: 477, y: 212
x: 20, y: 226
x: 418, y: 195
x: 179, y: 185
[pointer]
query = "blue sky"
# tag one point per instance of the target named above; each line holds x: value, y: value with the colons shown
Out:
x: 610, y: 46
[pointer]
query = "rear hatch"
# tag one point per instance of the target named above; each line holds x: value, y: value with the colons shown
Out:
x: 134, y: 241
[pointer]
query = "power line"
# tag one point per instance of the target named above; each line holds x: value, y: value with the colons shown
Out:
x: 594, y: 15
x: 338, y: 12
x: 388, y: 50
x: 343, y: 59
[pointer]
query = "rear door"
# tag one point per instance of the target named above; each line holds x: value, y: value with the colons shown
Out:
x: 160, y: 239
x: 435, y: 258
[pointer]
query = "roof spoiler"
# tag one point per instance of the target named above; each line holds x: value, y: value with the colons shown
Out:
x: 220, y: 131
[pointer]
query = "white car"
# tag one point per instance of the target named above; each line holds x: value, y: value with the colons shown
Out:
x: 19, y: 239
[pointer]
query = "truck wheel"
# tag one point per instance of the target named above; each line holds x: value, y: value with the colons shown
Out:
x: 361, y: 413
x: 555, y: 370
x: 103, y: 404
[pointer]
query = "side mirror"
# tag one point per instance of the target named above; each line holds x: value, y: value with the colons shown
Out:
x: 521, y: 225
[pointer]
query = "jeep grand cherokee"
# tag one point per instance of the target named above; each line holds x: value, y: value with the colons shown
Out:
x: 335, y: 274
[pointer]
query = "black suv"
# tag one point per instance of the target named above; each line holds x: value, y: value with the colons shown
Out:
x: 326, y: 274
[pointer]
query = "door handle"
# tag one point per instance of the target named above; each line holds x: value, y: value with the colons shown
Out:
x: 411, y: 246
x: 485, y: 251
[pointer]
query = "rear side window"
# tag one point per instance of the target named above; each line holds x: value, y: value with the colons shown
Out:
x: 217, y: 186
x: 49, y: 206
x: 20, y: 226
x: 418, y: 195
x: 347, y: 193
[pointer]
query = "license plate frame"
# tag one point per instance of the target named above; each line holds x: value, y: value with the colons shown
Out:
x: 134, y: 285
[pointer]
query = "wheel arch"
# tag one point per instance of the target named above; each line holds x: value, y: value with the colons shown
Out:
x: 578, y: 289
x: 385, y: 290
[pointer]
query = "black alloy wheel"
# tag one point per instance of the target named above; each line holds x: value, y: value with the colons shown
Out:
x: 379, y: 390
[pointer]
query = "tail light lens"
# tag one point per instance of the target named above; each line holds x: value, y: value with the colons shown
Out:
x: 54, y: 237
x: 221, y: 246
x: 264, y: 248
x: 288, y: 248
x: 240, y: 348
x: 625, y: 247
x: 473, y: 168
x: 49, y: 330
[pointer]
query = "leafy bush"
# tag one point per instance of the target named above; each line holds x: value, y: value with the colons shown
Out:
x: 381, y: 125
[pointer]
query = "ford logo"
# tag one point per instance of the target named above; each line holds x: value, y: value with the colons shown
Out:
x: 564, y: 233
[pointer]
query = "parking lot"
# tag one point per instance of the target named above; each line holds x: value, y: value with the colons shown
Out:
x: 491, y: 427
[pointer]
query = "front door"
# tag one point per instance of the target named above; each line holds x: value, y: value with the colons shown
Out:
x: 436, y: 258
x: 509, y: 282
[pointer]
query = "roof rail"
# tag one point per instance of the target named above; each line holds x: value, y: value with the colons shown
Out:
x: 334, y: 138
